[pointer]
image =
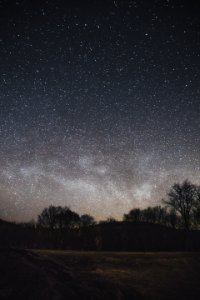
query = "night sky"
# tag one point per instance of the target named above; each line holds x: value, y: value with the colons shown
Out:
x: 99, y: 104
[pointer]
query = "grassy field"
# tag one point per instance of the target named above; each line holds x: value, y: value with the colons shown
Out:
x: 148, y: 275
x: 50, y: 274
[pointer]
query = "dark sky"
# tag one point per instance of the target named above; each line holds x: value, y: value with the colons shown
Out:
x: 99, y: 104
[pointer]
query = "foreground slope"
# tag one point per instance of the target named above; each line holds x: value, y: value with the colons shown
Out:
x: 98, y: 275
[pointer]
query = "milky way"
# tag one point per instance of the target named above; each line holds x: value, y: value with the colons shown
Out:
x: 99, y: 104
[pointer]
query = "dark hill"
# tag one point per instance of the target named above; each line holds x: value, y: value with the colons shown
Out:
x: 117, y: 236
x: 139, y: 236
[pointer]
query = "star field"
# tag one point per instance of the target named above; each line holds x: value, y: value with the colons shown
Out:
x: 99, y: 104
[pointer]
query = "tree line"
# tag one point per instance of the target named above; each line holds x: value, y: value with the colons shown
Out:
x: 58, y: 217
x: 141, y: 229
x: 181, y: 209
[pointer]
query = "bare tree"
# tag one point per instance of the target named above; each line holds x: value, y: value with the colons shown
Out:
x: 109, y: 220
x: 57, y: 217
x: 48, y: 217
x: 87, y: 220
x: 183, y: 198
x: 134, y: 215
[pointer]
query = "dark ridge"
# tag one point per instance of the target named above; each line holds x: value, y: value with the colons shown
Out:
x: 116, y: 236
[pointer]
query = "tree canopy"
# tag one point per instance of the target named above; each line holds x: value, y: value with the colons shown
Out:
x: 185, y: 200
x: 57, y: 217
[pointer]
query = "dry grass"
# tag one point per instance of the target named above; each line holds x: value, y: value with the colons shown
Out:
x: 151, y: 275
x: 47, y: 274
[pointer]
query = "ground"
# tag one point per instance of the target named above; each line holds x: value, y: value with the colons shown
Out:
x: 46, y: 274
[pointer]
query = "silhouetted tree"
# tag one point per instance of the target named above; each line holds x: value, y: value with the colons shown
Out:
x: 196, y: 217
x: 155, y: 214
x: 172, y: 219
x: 196, y: 211
x: 149, y: 215
x: 57, y: 217
x: 135, y: 215
x: 183, y: 199
x: 108, y: 221
x: 71, y: 219
x: 87, y: 220
x: 48, y: 217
